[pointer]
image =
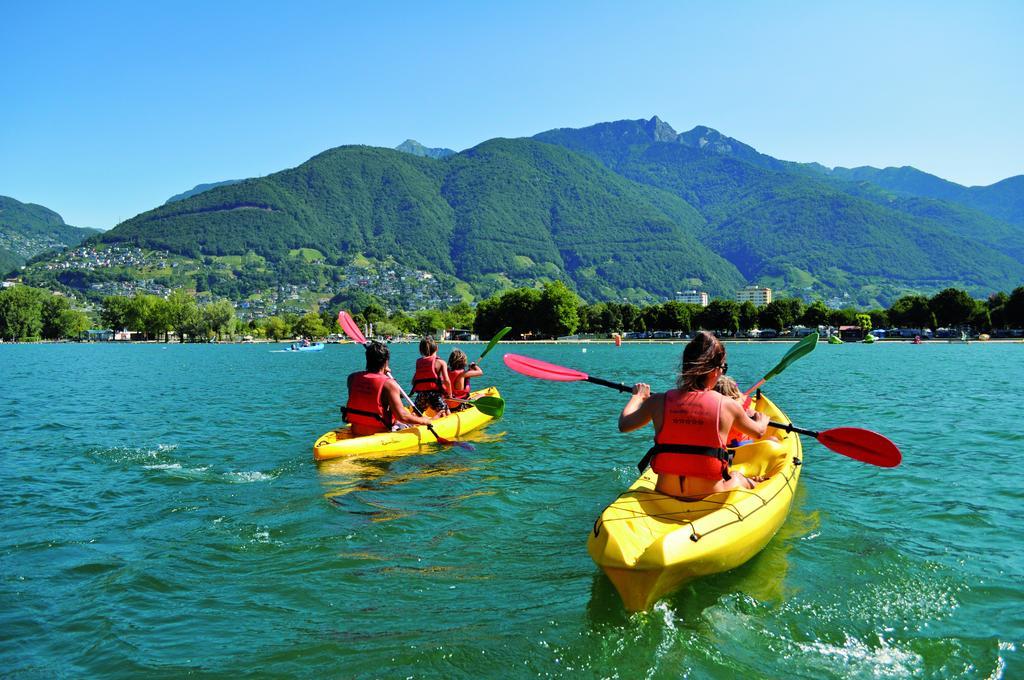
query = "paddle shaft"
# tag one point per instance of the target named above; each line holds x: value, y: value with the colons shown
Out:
x: 608, y: 383
x: 793, y: 428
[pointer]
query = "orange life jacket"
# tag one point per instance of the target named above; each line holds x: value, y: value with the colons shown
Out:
x: 364, y: 407
x: 456, y: 392
x: 426, y: 377
x: 688, y: 443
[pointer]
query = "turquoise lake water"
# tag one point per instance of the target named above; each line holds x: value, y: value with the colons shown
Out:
x: 160, y: 514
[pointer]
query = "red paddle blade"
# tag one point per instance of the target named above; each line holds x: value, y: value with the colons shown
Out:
x: 542, y: 369
x: 863, y: 445
x: 348, y: 324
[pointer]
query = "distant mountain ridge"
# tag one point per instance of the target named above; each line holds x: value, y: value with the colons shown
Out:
x: 27, y: 229
x: 200, y: 188
x: 798, y: 228
x: 628, y: 209
x: 1003, y: 200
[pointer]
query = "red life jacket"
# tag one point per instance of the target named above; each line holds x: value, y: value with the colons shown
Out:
x: 454, y: 375
x: 364, y: 407
x: 688, y: 443
x: 426, y: 378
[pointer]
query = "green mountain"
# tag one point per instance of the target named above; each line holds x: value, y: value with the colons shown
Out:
x: 630, y: 209
x: 506, y: 212
x: 26, y: 230
x: 417, y: 149
x: 789, y: 226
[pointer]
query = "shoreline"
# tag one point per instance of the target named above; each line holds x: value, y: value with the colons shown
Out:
x: 602, y: 341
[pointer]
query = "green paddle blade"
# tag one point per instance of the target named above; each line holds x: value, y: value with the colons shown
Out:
x: 490, y: 406
x: 494, y: 341
x: 795, y: 352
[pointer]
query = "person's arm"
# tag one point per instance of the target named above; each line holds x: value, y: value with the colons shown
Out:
x: 636, y: 412
x: 442, y: 372
x: 754, y: 426
x: 398, y: 411
x: 473, y: 371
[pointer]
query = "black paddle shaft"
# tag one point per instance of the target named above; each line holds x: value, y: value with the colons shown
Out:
x: 607, y: 383
x: 790, y: 427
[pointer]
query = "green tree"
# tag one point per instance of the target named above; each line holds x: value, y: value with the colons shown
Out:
x: 276, y: 329
x: 721, y: 315
x: 71, y: 323
x: 312, y: 326
x: 429, y: 322
x: 951, y: 307
x: 115, y: 312
x: 678, y: 316
x: 911, y: 311
x: 996, y: 304
x: 1014, y: 310
x: 981, y: 318
x: 183, y: 313
x: 217, y: 316
x: 52, y: 308
x: 138, y: 311
x: 864, y: 321
x: 559, y: 309
x: 747, y: 315
x: 815, y: 315
x: 460, y: 315
x: 21, y: 310
x: 159, y: 319
x: 879, y: 318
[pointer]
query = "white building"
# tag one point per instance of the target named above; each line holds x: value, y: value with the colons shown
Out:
x: 759, y: 296
x: 693, y: 297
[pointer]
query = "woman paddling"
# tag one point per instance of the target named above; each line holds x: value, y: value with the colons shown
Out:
x: 691, y: 424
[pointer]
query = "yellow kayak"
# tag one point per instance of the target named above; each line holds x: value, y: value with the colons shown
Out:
x: 340, y: 442
x: 649, y: 544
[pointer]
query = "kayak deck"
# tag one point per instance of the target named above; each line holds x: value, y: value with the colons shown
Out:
x: 340, y: 442
x: 649, y: 543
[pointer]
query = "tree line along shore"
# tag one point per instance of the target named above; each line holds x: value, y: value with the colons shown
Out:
x: 548, y: 312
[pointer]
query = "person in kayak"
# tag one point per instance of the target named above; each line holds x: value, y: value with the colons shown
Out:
x: 460, y: 374
x: 431, y: 383
x: 374, y: 400
x: 691, y: 424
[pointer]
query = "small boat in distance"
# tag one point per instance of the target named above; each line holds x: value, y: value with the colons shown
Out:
x: 300, y: 348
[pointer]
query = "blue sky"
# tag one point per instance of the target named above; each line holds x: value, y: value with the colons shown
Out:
x: 107, y: 109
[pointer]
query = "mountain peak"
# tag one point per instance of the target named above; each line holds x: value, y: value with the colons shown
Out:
x: 413, y: 147
x: 659, y: 130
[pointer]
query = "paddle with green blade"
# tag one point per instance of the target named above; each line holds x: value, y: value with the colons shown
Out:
x: 489, y: 406
x: 853, y: 442
x: 351, y: 328
x: 802, y: 348
x: 494, y: 341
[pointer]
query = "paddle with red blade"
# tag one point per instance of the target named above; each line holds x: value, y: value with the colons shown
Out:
x: 852, y: 442
x: 798, y: 350
x: 351, y: 328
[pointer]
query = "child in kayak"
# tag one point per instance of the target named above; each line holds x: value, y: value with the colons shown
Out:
x: 431, y: 383
x: 374, y: 400
x: 460, y: 375
x: 729, y: 388
x: 691, y: 424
